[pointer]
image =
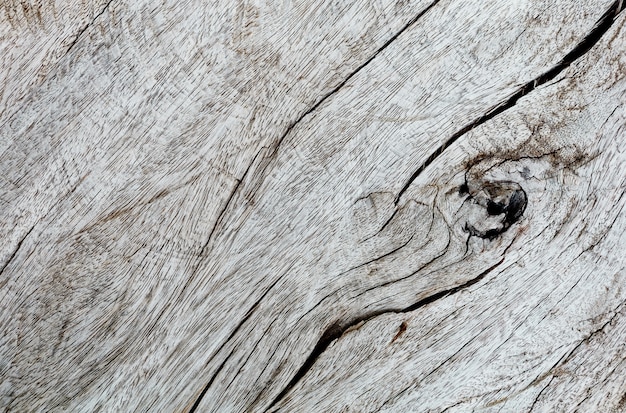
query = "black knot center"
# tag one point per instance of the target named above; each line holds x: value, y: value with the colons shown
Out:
x: 494, y: 207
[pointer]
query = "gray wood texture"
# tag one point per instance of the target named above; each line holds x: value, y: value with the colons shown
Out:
x: 316, y: 206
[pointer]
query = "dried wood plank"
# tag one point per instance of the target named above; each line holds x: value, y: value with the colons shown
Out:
x: 222, y: 191
x: 315, y: 183
x: 118, y: 164
x: 544, y: 329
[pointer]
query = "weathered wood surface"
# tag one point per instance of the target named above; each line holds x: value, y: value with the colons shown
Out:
x: 246, y: 207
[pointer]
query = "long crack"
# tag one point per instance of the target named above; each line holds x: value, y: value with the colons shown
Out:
x: 84, y: 29
x: 601, y: 27
x: 274, y: 148
x: 273, y: 153
x: 335, y: 331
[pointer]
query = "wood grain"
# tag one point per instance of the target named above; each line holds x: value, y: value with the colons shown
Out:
x: 321, y: 206
x: 544, y: 329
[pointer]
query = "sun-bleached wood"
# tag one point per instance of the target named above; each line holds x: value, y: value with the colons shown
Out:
x: 143, y: 128
x: 217, y: 208
x: 545, y: 329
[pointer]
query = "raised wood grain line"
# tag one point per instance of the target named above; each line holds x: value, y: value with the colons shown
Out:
x: 128, y: 209
x: 393, y: 251
x: 594, y: 36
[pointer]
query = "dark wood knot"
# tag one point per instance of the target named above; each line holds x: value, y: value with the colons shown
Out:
x: 494, y: 207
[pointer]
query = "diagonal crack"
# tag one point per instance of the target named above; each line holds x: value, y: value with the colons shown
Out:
x: 594, y: 36
x: 21, y: 241
x: 273, y: 150
x: 17, y: 248
x: 336, y: 330
x: 84, y: 29
x: 354, y: 73
x: 230, y: 337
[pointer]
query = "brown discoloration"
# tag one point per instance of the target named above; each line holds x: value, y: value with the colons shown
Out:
x: 621, y: 405
x: 401, y: 331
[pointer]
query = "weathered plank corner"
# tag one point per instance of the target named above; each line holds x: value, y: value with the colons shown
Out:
x: 320, y: 206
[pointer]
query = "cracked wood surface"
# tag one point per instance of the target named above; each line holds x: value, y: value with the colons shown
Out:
x: 323, y: 206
